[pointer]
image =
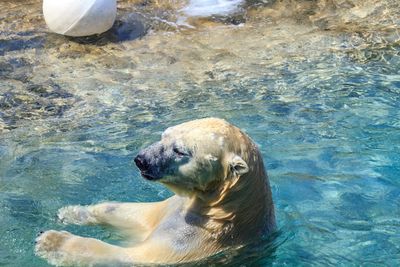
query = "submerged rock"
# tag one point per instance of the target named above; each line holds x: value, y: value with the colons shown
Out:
x: 37, y: 101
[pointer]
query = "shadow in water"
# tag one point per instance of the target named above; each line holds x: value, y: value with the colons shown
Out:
x: 127, y: 28
x: 15, y: 44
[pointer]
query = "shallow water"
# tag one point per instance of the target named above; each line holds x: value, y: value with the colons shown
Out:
x: 315, y: 83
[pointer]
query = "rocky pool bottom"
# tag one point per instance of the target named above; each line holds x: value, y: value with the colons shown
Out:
x: 318, y: 89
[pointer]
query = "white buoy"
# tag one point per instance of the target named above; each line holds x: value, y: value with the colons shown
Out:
x: 79, y: 17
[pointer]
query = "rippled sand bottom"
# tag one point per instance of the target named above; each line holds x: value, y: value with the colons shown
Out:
x: 315, y: 83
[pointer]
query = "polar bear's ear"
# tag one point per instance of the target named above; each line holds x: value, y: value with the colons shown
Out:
x: 238, y: 165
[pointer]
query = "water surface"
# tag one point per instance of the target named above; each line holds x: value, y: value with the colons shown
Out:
x: 316, y: 85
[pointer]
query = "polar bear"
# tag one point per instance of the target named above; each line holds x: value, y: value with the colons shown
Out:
x: 222, y: 200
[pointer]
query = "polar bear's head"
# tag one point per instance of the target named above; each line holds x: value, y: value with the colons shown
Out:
x: 197, y: 155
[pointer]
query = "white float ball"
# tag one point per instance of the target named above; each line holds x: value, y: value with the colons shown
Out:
x: 79, y: 17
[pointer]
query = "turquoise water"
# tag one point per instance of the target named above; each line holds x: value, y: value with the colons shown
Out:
x: 324, y: 109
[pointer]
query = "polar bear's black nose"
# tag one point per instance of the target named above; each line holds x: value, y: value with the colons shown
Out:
x: 141, y: 162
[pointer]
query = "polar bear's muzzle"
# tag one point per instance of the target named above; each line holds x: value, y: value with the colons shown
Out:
x: 155, y: 161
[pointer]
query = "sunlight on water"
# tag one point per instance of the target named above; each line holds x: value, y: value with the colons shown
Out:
x: 316, y: 87
x: 211, y: 7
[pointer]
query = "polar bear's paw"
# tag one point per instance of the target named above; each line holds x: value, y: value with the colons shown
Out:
x: 76, y: 215
x: 49, y: 246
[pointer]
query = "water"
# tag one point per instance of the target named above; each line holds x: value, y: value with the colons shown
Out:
x: 317, y: 87
x: 211, y: 7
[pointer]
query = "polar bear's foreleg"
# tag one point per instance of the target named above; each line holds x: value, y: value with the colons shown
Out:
x: 139, y: 216
x: 65, y: 249
x: 62, y: 248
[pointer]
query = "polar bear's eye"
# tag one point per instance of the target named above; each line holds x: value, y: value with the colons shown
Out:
x: 180, y: 152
